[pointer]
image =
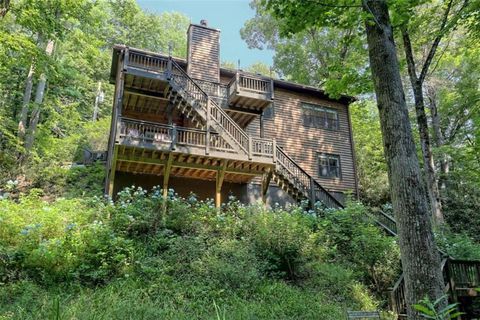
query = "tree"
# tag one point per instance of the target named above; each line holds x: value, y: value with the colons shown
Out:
x: 83, y: 32
x: 420, y: 259
x: 448, y: 21
x: 331, y: 58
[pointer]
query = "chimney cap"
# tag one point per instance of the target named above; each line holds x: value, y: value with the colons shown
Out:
x: 204, y: 22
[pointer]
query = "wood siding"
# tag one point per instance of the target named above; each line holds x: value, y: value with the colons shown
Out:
x: 203, y: 54
x: 304, y: 143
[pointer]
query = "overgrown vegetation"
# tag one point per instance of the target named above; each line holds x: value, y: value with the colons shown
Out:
x: 96, y: 257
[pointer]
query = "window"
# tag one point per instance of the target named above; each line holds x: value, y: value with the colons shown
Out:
x: 319, y: 117
x: 329, y: 165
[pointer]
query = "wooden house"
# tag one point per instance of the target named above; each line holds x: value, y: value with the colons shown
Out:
x: 195, y: 127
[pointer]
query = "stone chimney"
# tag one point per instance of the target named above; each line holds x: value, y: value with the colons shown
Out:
x: 203, y: 52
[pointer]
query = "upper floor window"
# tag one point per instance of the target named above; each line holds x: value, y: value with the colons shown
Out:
x: 329, y: 165
x: 319, y: 117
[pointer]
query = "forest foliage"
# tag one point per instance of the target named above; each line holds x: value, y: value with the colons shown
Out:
x: 65, y: 249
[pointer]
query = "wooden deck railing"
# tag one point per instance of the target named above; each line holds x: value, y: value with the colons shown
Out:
x: 459, y: 275
x: 384, y: 220
x: 251, y: 83
x: 146, y: 61
x: 135, y: 131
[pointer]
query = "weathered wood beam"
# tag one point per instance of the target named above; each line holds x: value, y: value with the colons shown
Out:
x: 146, y: 93
x: 267, y: 177
x: 219, y: 182
x: 193, y: 165
x: 146, y: 74
x: 113, y: 169
x: 166, y: 176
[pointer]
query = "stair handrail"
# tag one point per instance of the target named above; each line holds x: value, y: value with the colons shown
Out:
x: 308, y: 177
x: 374, y: 214
x: 397, y: 293
x: 214, y: 105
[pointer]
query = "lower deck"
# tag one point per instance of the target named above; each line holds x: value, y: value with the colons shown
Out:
x: 166, y: 163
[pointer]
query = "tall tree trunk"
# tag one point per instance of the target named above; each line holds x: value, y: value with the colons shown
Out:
x: 438, y: 138
x: 35, y: 117
x: 27, y: 95
x: 420, y: 258
x: 428, y: 162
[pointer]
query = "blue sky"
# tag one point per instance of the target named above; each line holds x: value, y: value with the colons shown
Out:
x: 226, y: 15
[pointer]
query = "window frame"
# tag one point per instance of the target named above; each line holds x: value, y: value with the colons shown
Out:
x: 328, y: 156
x: 317, y: 121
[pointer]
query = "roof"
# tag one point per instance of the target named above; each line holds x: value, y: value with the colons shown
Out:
x: 278, y: 83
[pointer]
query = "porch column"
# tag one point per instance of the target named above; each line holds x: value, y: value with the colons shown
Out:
x: 166, y: 175
x: 267, y: 177
x: 219, y: 183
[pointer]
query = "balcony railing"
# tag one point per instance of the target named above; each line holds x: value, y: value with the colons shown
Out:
x: 242, y: 85
x: 162, y: 136
x: 250, y: 85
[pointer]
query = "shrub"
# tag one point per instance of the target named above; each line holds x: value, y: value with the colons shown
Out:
x: 64, y: 240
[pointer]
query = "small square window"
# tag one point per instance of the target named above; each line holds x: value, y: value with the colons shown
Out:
x: 329, y: 165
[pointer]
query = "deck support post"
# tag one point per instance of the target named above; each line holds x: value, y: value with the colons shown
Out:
x: 174, y: 137
x: 111, y: 177
x: 267, y: 177
x: 166, y: 176
x: 219, y: 182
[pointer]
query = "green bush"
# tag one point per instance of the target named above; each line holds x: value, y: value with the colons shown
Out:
x: 60, y: 241
x: 458, y: 246
x: 184, y: 254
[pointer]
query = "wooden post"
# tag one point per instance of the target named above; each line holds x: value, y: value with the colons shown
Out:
x: 274, y: 147
x: 237, y: 82
x: 265, y: 183
x: 174, y: 137
x: 262, y: 129
x: 166, y: 175
x: 207, y: 142
x: 250, y: 145
x: 219, y: 183
x: 272, y: 89
x: 169, y: 68
x: 113, y: 168
x: 126, y: 59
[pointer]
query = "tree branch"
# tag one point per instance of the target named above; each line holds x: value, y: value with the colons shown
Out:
x: 409, y: 55
x: 436, y: 41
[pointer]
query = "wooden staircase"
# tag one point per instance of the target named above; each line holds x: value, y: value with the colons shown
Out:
x: 189, y: 98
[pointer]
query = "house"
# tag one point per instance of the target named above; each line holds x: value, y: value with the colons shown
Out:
x: 195, y: 127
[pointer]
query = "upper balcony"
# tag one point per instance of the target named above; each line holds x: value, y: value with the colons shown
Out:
x: 244, y: 97
x: 250, y: 92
